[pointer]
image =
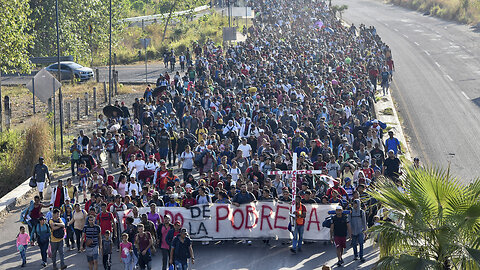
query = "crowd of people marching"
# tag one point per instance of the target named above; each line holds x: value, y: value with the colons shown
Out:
x: 301, y: 83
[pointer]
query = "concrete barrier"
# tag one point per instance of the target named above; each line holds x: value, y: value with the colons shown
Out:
x: 22, y: 192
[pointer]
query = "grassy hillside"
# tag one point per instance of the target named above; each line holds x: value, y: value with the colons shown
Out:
x: 464, y: 11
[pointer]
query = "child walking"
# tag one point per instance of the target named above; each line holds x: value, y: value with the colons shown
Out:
x: 107, y: 251
x: 126, y: 249
x: 23, y: 239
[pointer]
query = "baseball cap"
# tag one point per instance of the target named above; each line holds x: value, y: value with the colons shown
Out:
x: 178, y: 222
x: 339, y: 207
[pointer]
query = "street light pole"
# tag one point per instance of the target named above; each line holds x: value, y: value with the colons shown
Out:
x: 110, y: 60
x: 60, y: 100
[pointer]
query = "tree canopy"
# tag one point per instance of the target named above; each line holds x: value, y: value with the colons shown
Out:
x: 15, y: 39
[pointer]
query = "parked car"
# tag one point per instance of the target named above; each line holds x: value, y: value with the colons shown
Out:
x: 68, y: 68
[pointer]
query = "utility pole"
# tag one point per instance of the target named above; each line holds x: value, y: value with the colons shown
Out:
x: 110, y: 60
x: 60, y: 99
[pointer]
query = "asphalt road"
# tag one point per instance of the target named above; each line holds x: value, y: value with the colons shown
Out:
x: 435, y: 83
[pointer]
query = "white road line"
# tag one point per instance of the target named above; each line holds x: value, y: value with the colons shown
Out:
x: 465, y: 95
x: 416, y: 43
x: 386, y: 24
x: 427, y: 53
x: 405, y: 36
x: 448, y: 77
x: 396, y: 30
x: 436, y: 63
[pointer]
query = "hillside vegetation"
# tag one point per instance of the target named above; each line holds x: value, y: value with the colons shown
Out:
x: 464, y: 11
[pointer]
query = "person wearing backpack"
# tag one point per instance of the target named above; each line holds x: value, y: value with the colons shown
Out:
x: 181, y: 250
x: 56, y: 240
x: 358, y: 223
x: 42, y: 233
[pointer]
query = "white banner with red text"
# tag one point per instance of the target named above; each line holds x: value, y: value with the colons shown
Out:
x: 260, y: 220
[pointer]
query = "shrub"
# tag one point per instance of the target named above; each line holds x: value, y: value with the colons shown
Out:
x: 20, y: 150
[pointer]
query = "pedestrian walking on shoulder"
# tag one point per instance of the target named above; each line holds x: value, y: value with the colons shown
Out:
x: 23, y: 239
x: 40, y: 174
x: 339, y: 230
x: 300, y: 214
x: 358, y: 223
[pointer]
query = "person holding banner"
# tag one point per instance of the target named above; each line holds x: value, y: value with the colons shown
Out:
x: 300, y: 214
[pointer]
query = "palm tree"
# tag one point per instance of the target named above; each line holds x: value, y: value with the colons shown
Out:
x: 438, y: 225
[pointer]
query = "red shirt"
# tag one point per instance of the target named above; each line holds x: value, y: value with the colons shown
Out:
x: 189, y: 202
x: 105, y: 221
x: 368, y: 172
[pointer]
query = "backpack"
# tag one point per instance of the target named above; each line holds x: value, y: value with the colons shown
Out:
x: 327, y: 223
x: 58, y: 233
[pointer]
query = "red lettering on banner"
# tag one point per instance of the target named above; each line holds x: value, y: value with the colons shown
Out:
x: 179, y: 217
x: 266, y: 216
x: 233, y: 219
x: 277, y: 217
x: 219, y: 218
x: 310, y: 221
x: 251, y: 209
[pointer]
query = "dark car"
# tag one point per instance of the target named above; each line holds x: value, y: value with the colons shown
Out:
x: 71, y: 68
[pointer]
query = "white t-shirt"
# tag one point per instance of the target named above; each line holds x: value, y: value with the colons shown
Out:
x: 245, y: 150
x: 133, y: 186
x: 187, y: 162
x: 235, y: 173
x: 139, y: 165
x: 151, y: 166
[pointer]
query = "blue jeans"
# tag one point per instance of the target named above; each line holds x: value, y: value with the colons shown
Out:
x: 357, y: 240
x: 181, y: 265
x: 43, y: 245
x: 297, y: 237
x: 128, y: 262
x: 23, y: 254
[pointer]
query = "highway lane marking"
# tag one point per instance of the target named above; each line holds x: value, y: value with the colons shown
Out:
x: 386, y: 24
x: 405, y: 36
x: 416, y: 43
x: 465, y: 95
x: 427, y: 53
x: 436, y: 63
x: 409, y: 119
x: 396, y: 30
x: 448, y: 77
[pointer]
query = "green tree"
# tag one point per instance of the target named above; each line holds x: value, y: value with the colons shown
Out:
x: 75, y: 18
x: 15, y: 39
x: 438, y: 222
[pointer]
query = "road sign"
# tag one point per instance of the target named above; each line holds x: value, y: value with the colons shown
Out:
x: 145, y: 42
x: 229, y: 33
x: 44, y: 83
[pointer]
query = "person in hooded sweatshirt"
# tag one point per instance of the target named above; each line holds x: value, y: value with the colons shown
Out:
x: 358, y: 223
